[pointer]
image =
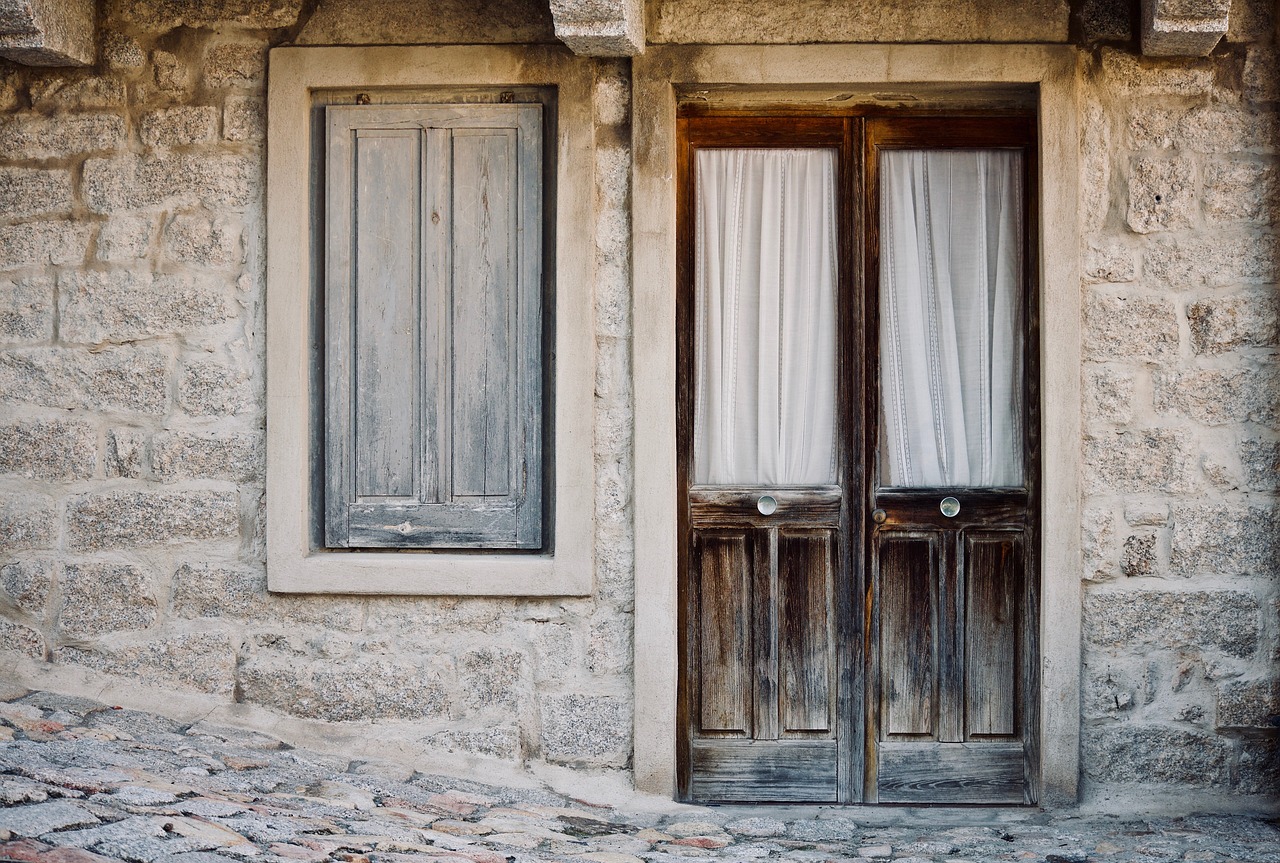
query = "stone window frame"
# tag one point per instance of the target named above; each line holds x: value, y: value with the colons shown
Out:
x: 803, y: 73
x: 294, y: 563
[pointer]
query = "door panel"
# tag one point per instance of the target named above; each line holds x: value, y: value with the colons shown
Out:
x: 993, y: 572
x: 952, y: 773
x: 806, y: 642
x: 724, y: 664
x: 765, y: 771
x: 907, y: 567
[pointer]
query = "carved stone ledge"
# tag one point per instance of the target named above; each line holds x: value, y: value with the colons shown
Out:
x: 48, y: 32
x: 1183, y: 28
x: 599, y: 28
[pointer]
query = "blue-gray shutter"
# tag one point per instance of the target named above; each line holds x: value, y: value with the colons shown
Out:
x: 433, y: 326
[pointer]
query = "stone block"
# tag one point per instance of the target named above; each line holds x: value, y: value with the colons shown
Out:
x: 102, y: 598
x: 124, y: 519
x: 20, y: 639
x: 60, y: 450
x: 236, y: 457
x: 407, y: 22
x: 1162, y: 194
x: 613, y: 99
x: 26, y: 309
x: 63, y: 92
x: 1260, y: 460
x: 175, y: 127
x: 1249, y: 704
x: 35, y: 244
x: 1153, y: 126
x: 1131, y: 753
x: 1126, y: 75
x: 1217, y: 397
x: 503, y: 743
x: 1139, y: 557
x: 1183, y: 28
x: 244, y: 118
x: 170, y: 74
x: 34, y: 192
x: 116, y: 379
x: 204, y: 662
x: 97, y: 307
x: 1226, y: 539
x: 1215, y: 129
x: 172, y: 180
x: 162, y: 15
x: 122, y: 53
x: 1127, y: 620
x: 585, y: 727
x: 1095, y: 167
x: 1111, y: 692
x: 1108, y: 394
x: 35, y: 136
x: 1262, y: 73
x: 195, y: 239
x: 125, y: 238
x: 1107, y: 260
x: 609, y: 645
x: 600, y: 28
x: 125, y: 453
x: 212, y: 388
x: 231, y: 64
x: 1220, y: 261
x: 1105, y: 20
x: 201, y: 591
x: 27, y: 521
x: 1241, y: 191
x: 25, y: 584
x: 1137, y: 327
x: 492, y: 677
x: 49, y: 32
x: 1140, y: 461
x: 1139, y: 513
x: 1221, y: 323
x: 1259, y: 766
x: 345, y: 690
x: 44, y: 818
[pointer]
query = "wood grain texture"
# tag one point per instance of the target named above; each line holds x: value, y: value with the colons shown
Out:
x: 906, y: 568
x: 993, y: 567
x: 725, y: 664
x: 952, y: 773
x: 788, y: 771
x: 806, y: 646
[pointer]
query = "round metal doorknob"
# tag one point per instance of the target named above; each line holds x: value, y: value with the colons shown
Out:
x: 879, y: 516
x: 767, y: 504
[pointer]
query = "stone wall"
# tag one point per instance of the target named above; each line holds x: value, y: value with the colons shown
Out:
x: 1181, y: 452
x: 131, y: 432
x: 132, y: 438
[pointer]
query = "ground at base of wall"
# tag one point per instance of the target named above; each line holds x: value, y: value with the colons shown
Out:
x: 82, y: 782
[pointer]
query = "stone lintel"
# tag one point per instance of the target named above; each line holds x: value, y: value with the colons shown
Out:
x: 1183, y: 28
x: 48, y: 32
x: 600, y: 28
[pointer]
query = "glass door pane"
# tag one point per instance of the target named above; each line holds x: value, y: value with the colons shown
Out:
x: 765, y: 317
x: 951, y: 288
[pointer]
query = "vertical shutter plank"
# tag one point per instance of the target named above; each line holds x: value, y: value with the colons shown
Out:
x: 339, y: 217
x: 386, y: 288
x: 483, y: 230
x: 437, y: 287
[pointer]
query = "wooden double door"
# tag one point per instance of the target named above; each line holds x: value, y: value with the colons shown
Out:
x: 857, y: 411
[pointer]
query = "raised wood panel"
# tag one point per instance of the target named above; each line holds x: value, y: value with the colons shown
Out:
x: 387, y: 264
x: 907, y: 565
x: 993, y: 566
x: 484, y: 228
x: 724, y: 663
x: 785, y: 771
x: 952, y: 773
x: 806, y: 644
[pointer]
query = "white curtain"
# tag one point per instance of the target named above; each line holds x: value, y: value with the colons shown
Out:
x: 765, y: 276
x: 950, y: 311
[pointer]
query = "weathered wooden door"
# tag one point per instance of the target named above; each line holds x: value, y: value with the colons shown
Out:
x: 854, y: 630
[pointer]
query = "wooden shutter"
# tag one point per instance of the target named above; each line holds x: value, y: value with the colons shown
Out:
x: 433, y: 326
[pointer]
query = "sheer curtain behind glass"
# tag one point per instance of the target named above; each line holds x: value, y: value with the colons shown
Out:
x: 765, y: 276
x: 950, y: 311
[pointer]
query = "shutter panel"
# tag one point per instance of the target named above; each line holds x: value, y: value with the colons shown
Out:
x: 433, y: 326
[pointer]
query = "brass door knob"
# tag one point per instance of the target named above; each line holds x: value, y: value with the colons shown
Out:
x: 879, y: 516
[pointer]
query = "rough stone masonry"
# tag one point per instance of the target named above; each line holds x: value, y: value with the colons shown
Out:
x: 132, y: 427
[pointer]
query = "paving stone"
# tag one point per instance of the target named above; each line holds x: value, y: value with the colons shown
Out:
x: 42, y: 818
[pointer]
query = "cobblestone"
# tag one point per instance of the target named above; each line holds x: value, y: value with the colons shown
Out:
x: 76, y: 787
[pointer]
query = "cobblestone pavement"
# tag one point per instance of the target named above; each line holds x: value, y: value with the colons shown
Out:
x: 85, y: 783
